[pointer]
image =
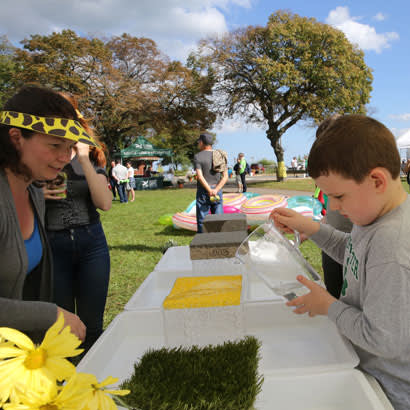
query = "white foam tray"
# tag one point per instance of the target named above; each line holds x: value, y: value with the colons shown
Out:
x: 343, y: 390
x: 290, y: 343
x: 302, y: 358
x: 178, y: 259
x: 175, y: 259
x: 158, y: 284
x: 176, y: 263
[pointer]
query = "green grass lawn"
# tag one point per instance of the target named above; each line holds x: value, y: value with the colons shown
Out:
x: 297, y: 184
x: 135, y: 239
x: 405, y: 186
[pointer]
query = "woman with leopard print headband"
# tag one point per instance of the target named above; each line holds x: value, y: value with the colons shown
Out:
x: 38, y: 130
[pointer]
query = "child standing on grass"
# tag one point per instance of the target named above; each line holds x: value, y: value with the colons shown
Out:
x: 357, y: 164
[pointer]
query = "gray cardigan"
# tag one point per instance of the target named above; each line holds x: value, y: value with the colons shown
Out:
x: 25, y: 300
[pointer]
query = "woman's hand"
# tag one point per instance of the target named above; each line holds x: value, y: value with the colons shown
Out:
x: 55, y: 194
x: 76, y: 325
x: 82, y: 151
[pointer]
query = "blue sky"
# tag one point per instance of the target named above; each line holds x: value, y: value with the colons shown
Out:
x: 380, y: 28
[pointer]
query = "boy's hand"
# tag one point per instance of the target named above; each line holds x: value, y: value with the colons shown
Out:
x: 288, y: 220
x: 316, y: 302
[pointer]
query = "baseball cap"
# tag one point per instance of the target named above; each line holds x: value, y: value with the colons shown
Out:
x: 206, y: 138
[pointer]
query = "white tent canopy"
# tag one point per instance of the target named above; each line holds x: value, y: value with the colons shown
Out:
x: 404, y: 140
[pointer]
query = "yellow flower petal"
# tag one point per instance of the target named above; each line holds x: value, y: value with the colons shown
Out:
x: 118, y: 392
x: 9, y: 350
x: 18, y: 338
x: 11, y: 367
x: 60, y: 367
x: 105, y: 402
x: 109, y: 380
x: 78, y: 385
x: 61, y: 342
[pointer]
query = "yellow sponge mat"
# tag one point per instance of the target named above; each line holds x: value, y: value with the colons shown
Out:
x: 204, y: 291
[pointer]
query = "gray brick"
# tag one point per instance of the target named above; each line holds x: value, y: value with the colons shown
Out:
x: 225, y: 223
x: 216, y: 245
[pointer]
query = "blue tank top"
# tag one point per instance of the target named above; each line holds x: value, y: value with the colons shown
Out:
x: 34, y: 248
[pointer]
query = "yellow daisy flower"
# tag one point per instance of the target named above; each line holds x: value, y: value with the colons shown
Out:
x: 100, y: 398
x: 36, y: 367
x: 71, y: 396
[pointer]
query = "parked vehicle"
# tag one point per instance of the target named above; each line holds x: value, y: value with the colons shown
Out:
x: 257, y: 168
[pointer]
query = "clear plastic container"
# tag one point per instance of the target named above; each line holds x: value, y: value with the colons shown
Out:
x: 269, y: 255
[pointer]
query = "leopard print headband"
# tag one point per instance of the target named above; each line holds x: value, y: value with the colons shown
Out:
x: 58, y: 127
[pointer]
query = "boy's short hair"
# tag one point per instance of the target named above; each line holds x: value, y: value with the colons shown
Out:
x: 325, y: 124
x: 353, y: 145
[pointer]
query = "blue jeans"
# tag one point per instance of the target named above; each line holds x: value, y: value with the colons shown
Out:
x: 243, y: 179
x: 204, y: 204
x: 113, y: 184
x: 121, y: 191
x: 81, y: 275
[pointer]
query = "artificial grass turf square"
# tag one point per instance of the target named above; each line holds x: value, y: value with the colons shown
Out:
x: 221, y: 377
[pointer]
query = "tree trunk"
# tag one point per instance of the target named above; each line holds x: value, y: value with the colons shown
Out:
x: 274, y: 138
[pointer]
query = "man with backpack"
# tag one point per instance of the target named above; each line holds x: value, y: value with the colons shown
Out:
x: 212, y: 174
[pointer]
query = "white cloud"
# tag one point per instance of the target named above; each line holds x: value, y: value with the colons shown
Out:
x: 379, y: 17
x: 401, y: 117
x: 398, y: 132
x: 165, y: 21
x: 231, y: 126
x: 363, y: 35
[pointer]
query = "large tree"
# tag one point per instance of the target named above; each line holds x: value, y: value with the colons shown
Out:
x: 124, y: 83
x: 8, y: 69
x: 293, y: 69
x: 62, y: 60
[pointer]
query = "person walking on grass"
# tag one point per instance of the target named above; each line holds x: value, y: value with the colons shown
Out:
x: 238, y: 178
x: 113, y: 181
x: 242, y: 170
x: 120, y: 173
x: 131, y: 182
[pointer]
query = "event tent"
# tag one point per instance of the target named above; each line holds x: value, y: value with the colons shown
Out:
x: 404, y: 140
x: 142, y: 149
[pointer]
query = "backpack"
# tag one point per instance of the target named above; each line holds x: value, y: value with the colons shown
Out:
x: 219, y: 160
x: 248, y: 169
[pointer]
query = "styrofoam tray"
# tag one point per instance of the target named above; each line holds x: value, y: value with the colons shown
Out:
x: 175, y: 259
x: 230, y: 266
x: 176, y: 263
x: 296, y: 343
x: 158, y: 284
x: 305, y: 361
x: 290, y: 343
x: 348, y: 389
x: 341, y: 390
x: 178, y: 259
